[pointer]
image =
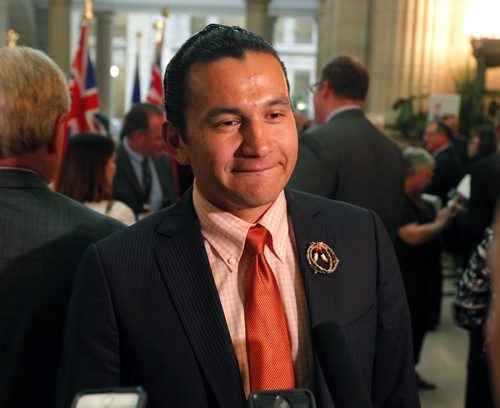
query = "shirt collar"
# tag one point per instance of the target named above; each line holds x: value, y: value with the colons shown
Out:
x: 227, y: 233
x: 441, y: 149
x: 344, y: 108
x: 131, y: 152
x: 20, y: 169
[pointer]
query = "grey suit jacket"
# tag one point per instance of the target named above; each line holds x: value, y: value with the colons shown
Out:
x: 161, y: 324
x: 126, y: 186
x: 349, y: 159
x: 42, y: 237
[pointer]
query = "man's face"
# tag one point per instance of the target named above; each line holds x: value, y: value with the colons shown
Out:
x: 452, y: 123
x: 433, y: 140
x: 152, y: 142
x: 240, y: 131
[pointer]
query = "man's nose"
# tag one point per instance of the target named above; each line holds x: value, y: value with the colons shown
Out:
x: 256, y: 140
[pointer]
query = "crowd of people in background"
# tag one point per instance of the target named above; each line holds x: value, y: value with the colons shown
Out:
x: 342, y: 156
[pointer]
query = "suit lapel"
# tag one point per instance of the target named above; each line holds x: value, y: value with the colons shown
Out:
x: 186, y: 271
x: 123, y: 162
x: 309, y: 225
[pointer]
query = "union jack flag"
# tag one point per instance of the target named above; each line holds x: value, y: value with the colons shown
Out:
x: 155, y: 93
x: 83, y: 90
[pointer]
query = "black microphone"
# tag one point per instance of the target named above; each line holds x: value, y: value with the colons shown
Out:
x: 342, y: 377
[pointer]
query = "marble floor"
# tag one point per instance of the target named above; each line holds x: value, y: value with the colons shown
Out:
x: 443, y: 358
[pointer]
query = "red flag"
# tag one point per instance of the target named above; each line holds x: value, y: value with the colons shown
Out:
x: 155, y: 93
x: 83, y: 90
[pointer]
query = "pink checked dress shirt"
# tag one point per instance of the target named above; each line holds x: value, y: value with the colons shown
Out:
x: 224, y: 235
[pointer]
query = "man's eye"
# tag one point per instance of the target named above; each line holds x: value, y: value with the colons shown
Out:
x: 228, y: 123
x: 275, y: 115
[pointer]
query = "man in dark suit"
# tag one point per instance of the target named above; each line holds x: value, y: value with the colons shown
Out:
x: 165, y: 304
x: 448, y: 172
x: 459, y: 141
x: 346, y: 157
x: 449, y: 169
x: 43, y: 234
x: 143, y: 177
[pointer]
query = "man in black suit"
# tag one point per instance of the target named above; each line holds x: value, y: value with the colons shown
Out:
x: 346, y: 157
x: 448, y: 172
x: 449, y: 169
x: 459, y: 141
x: 42, y: 233
x: 143, y: 179
x: 164, y: 304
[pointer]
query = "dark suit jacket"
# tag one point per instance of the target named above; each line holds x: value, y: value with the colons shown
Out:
x: 447, y: 173
x: 145, y: 309
x: 349, y: 159
x: 461, y: 147
x: 43, y: 235
x: 126, y: 186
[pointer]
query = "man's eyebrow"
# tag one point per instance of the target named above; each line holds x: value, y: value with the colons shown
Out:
x: 285, y: 101
x: 221, y: 111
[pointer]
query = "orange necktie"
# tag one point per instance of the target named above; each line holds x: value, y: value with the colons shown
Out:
x: 267, y: 337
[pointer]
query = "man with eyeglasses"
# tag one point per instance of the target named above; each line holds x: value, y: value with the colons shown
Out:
x: 346, y: 157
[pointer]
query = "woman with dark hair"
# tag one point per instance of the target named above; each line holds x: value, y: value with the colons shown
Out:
x: 483, y: 144
x: 87, y: 175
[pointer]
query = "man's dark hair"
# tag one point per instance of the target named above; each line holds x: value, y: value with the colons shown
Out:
x: 138, y: 118
x: 347, y: 77
x: 211, y: 44
x: 445, y: 129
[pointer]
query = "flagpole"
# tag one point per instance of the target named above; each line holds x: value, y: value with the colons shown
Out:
x: 136, y: 88
x: 155, y: 93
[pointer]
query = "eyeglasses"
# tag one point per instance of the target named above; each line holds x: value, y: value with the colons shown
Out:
x: 314, y: 87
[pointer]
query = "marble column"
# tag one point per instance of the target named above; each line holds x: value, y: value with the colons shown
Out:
x: 103, y: 59
x: 412, y: 51
x: 42, y: 24
x: 258, y: 18
x: 343, y: 27
x: 59, y: 33
x: 4, y: 21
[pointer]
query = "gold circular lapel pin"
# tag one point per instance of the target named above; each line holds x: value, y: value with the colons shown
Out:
x: 321, y: 258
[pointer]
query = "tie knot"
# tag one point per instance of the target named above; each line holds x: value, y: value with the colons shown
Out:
x: 145, y: 162
x: 256, y: 239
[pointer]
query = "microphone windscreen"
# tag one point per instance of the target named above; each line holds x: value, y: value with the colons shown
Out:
x: 342, y: 377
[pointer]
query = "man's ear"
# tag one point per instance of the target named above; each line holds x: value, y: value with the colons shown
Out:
x: 325, y: 90
x: 56, y: 142
x: 175, y: 143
